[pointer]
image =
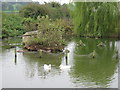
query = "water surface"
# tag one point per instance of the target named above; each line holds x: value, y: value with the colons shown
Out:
x: 26, y: 71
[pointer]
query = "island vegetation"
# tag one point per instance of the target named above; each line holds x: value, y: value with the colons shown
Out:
x: 77, y: 44
x: 46, y: 26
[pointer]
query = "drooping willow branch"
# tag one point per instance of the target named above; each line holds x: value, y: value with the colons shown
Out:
x: 95, y: 18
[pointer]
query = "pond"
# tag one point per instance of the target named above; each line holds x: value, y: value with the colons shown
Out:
x: 27, y: 69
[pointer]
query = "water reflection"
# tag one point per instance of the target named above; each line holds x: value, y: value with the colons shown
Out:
x: 66, y: 60
x: 15, y: 60
x: 97, y: 72
x: 77, y: 68
x: 36, y: 64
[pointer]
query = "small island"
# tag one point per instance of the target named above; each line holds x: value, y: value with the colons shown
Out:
x: 60, y: 45
x: 50, y: 35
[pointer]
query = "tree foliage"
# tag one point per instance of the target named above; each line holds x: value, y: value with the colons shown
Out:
x: 95, y: 18
x: 11, y: 25
x: 53, y: 10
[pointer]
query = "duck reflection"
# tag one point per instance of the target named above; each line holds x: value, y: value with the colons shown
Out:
x: 97, y: 72
x: 84, y: 71
x: 43, y: 67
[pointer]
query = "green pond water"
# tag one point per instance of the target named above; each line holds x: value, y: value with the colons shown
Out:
x: 27, y: 69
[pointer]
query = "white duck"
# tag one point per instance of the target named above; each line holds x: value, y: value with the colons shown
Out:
x: 63, y: 67
x: 47, y: 67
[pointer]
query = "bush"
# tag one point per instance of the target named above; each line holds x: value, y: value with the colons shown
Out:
x: 50, y: 33
x: 53, y: 10
x: 11, y: 25
x: 30, y: 24
x: 33, y: 10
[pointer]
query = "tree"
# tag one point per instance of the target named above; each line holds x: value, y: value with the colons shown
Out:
x: 53, y: 10
x: 95, y: 18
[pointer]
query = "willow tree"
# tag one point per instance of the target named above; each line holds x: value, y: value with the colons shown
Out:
x: 95, y: 18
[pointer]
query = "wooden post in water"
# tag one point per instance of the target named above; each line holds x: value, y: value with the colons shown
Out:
x: 15, y: 51
x: 40, y: 53
x: 15, y: 61
x: 66, y: 60
x: 66, y: 56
